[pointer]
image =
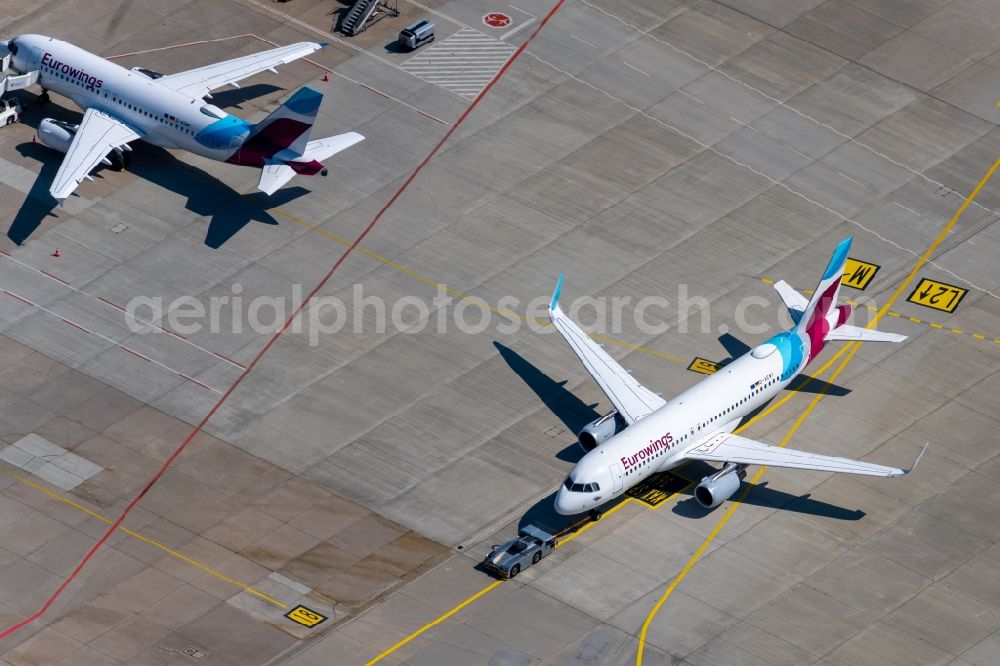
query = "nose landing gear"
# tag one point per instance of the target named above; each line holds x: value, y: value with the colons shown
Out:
x: 595, y: 514
x: 44, y: 97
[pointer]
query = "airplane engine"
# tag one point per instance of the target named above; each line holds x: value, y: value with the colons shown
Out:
x: 597, y: 432
x: 56, y: 134
x: 717, y: 488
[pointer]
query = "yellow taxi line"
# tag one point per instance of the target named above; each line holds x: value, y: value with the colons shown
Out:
x: 853, y: 347
x: 152, y: 542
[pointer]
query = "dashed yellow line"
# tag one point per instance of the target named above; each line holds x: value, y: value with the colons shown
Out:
x: 850, y: 350
x: 152, y: 542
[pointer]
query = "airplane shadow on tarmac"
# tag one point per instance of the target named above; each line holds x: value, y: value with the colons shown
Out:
x: 228, y: 210
x: 574, y: 413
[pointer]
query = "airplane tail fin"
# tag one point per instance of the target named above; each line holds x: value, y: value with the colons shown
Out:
x: 820, y: 317
x: 815, y: 320
x: 287, y: 128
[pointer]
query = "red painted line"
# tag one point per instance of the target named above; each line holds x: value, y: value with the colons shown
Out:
x: 23, y: 300
x: 75, y: 325
x: 54, y: 277
x: 377, y: 92
x: 110, y: 303
x: 192, y: 379
x: 226, y: 358
x: 435, y: 119
x: 135, y: 353
x: 5, y: 253
x: 173, y: 333
x: 274, y: 338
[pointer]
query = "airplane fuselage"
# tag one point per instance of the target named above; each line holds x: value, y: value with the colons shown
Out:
x: 162, y: 116
x: 714, y: 405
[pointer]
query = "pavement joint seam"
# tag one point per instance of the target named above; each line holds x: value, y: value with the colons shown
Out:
x: 136, y: 535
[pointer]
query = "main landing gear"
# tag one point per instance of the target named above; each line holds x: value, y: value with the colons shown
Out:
x: 44, y: 97
x: 324, y: 172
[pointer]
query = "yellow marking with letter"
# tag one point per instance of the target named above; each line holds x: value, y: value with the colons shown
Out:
x: 703, y: 366
x: 305, y: 616
x: 937, y: 295
x: 858, y: 274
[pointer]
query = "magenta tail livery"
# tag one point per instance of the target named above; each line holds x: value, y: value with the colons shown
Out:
x: 646, y: 434
x: 121, y: 105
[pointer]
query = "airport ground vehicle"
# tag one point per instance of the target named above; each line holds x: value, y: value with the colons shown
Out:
x: 512, y: 557
x: 416, y: 35
x: 10, y: 111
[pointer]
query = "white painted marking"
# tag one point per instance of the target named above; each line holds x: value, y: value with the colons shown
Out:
x: 856, y: 182
x: 687, y: 94
x: 463, y: 63
x: 518, y: 29
x: 796, y: 151
x: 908, y: 208
x: 631, y: 66
x: 584, y: 41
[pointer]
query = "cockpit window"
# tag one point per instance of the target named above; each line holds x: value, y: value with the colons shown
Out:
x: 581, y: 487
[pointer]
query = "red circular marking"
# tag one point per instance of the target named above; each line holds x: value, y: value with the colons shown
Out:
x: 496, y: 20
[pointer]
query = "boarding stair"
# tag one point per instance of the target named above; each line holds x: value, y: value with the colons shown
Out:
x: 363, y: 13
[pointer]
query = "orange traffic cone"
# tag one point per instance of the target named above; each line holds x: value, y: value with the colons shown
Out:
x: 57, y: 253
x: 326, y: 77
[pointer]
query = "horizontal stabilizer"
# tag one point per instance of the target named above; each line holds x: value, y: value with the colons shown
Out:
x: 274, y: 174
x: 320, y: 149
x: 794, y: 301
x: 848, y: 332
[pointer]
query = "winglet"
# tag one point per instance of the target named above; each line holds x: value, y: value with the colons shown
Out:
x: 323, y: 45
x: 919, y: 456
x: 555, y: 294
x: 917, y: 461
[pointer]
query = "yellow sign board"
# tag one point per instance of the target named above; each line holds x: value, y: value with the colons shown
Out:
x: 305, y: 617
x: 937, y: 295
x: 858, y: 273
x: 703, y: 366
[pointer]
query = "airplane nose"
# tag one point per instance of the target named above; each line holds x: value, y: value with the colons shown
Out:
x: 563, y: 504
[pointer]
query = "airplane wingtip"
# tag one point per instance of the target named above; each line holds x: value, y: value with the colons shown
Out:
x: 923, y: 450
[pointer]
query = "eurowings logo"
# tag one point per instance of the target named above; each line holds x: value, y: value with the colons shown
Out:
x: 71, y: 72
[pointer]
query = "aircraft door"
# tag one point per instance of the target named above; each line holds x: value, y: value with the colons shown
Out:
x: 617, y: 478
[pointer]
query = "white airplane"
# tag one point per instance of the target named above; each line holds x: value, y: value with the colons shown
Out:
x: 646, y: 434
x: 121, y: 105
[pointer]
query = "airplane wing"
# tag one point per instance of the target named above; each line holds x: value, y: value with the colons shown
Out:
x: 201, y: 81
x: 97, y: 136
x: 632, y: 400
x: 726, y: 447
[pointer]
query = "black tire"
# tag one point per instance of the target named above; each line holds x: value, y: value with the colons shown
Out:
x: 324, y: 172
x: 536, y: 557
x: 10, y: 120
x: 44, y: 98
x: 514, y: 570
x: 595, y: 514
